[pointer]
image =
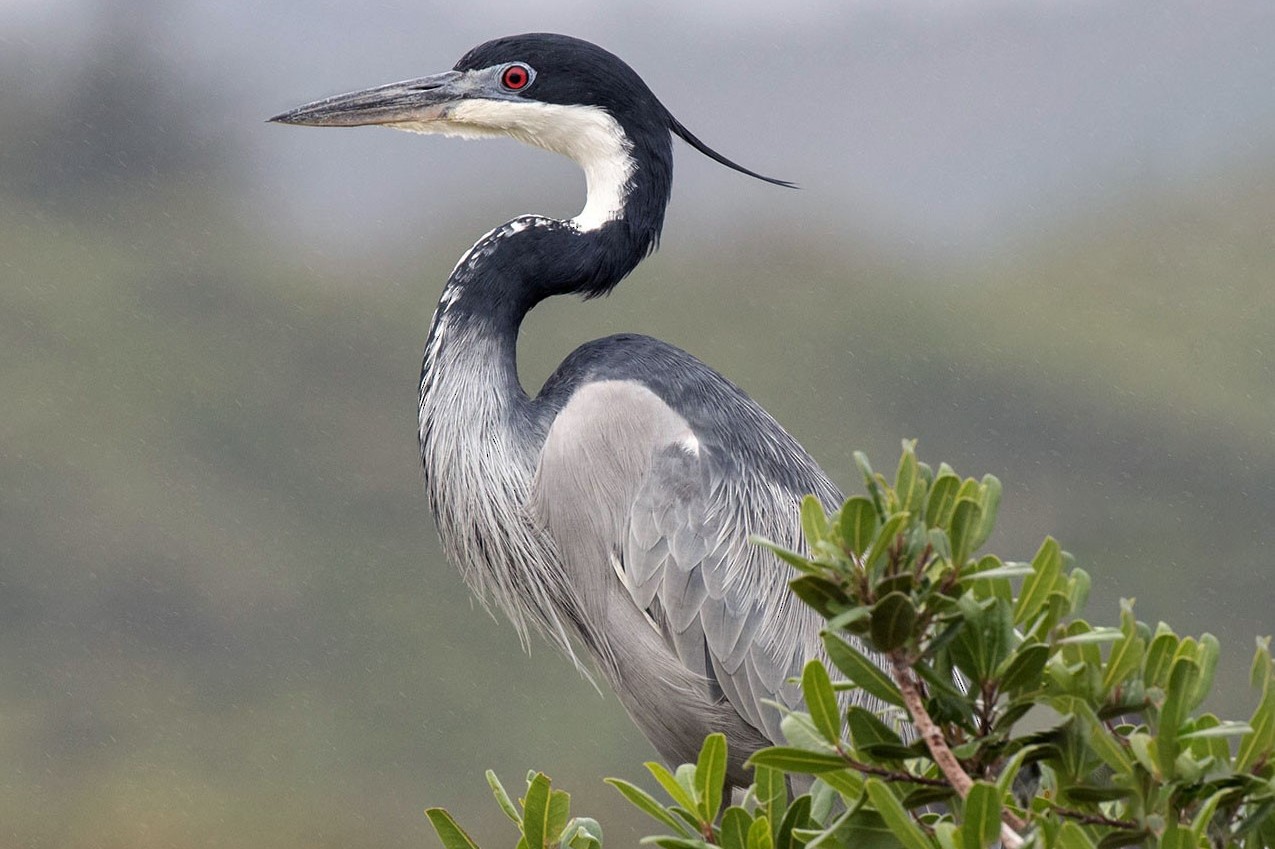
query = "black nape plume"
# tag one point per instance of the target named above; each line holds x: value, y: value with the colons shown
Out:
x: 687, y: 136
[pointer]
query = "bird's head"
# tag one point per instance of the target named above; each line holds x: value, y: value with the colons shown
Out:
x: 552, y: 91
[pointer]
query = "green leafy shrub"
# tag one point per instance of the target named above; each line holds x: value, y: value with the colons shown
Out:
x: 1010, y: 719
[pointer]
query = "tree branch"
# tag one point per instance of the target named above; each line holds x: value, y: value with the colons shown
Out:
x: 905, y: 678
x: 1095, y: 819
x: 892, y: 775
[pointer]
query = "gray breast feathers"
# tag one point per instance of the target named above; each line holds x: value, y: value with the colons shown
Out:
x: 648, y: 518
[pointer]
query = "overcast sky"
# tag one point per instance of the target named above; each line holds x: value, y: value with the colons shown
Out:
x: 939, y: 124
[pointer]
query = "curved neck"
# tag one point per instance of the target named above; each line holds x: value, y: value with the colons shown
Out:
x: 514, y: 267
x: 628, y: 169
x: 480, y: 435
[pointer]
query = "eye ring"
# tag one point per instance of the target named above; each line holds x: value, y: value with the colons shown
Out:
x: 515, y: 77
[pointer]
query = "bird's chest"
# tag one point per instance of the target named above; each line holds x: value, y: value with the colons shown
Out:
x: 477, y: 485
x: 478, y: 472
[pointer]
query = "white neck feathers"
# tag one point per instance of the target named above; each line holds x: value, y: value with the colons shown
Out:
x: 585, y: 134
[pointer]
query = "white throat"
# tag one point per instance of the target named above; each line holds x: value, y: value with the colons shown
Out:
x: 586, y: 134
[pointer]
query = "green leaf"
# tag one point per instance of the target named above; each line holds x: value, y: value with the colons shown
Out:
x: 969, y: 489
x: 901, y: 824
x: 1259, y: 673
x: 989, y: 505
x: 559, y: 813
x: 1255, y: 745
x: 1093, y: 636
x: 885, y: 538
x: 582, y: 833
x: 861, y: 829
x: 685, y: 777
x: 790, y: 759
x: 870, y: 482
x: 908, y: 485
x: 1155, y: 670
x: 796, y: 817
x: 1222, y: 729
x: 1177, y: 837
x: 893, y: 620
x: 759, y: 834
x: 536, y: 812
x: 1005, y: 781
x: 1072, y: 836
x: 939, y: 682
x: 733, y: 833
x: 858, y: 524
x: 1258, y: 742
x: 821, y: 701
x: 1206, y: 655
x: 1041, y: 627
x: 1204, y: 816
x: 1013, y: 712
x: 1173, y: 712
x: 1022, y: 670
x: 938, y: 507
x: 1084, y: 793
x: 941, y: 549
x: 849, y: 618
x: 823, y: 596
x: 502, y: 798
x: 1046, y: 572
x: 646, y: 803
x: 846, y: 782
x: 1082, y: 652
x: 448, y: 831
x: 990, y: 578
x: 710, y: 775
x: 1098, y: 736
x: 982, y: 821
x: 814, y: 521
x: 1125, y: 660
x: 678, y: 842
x: 967, y: 516
x: 799, y: 730
x: 1145, y: 750
x: 1124, y: 837
x: 867, y: 729
x: 861, y: 671
x: 792, y: 558
x: 985, y: 641
x: 946, y: 833
x: 903, y: 583
x: 1205, y: 739
x: 1256, y: 822
x: 1009, y: 570
x: 822, y: 800
x: 770, y: 787
x: 671, y: 785
x: 1187, y: 768
x: 1078, y: 586
x: 926, y: 795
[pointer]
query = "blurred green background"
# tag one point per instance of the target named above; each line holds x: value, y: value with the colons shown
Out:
x: 1040, y: 239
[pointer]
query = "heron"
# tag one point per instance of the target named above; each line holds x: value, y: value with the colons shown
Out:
x: 613, y: 508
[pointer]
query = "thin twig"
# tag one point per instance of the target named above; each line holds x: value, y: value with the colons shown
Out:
x: 1095, y: 819
x: 1012, y: 825
x: 892, y: 775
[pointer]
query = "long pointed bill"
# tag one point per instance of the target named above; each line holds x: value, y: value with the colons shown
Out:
x: 423, y: 100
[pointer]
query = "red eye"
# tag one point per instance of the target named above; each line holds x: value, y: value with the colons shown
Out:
x: 515, y: 77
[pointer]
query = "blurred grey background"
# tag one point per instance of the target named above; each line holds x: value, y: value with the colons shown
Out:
x: 1040, y: 237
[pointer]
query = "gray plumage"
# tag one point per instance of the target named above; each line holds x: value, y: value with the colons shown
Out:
x: 696, y: 626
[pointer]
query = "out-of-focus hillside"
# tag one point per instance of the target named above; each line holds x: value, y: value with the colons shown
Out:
x: 223, y: 617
